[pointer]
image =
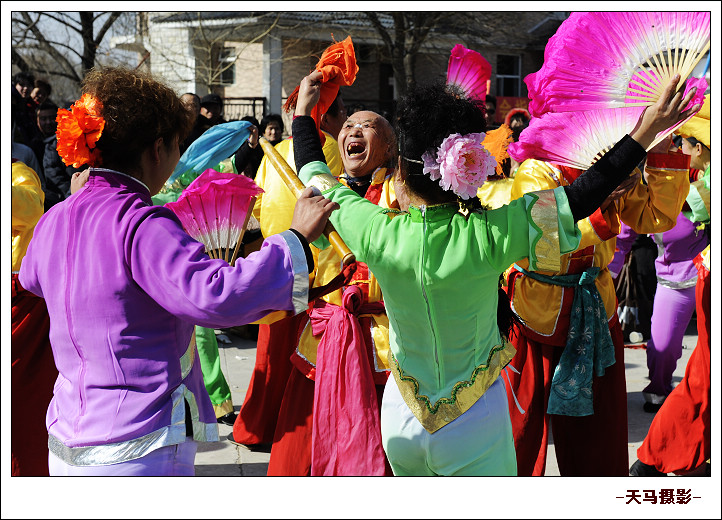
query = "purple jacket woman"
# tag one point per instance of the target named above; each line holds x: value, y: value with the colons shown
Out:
x: 125, y: 285
x: 123, y: 298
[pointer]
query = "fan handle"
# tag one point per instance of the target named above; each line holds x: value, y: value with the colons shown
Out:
x: 290, y: 178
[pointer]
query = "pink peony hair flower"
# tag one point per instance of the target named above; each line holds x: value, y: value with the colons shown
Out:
x: 462, y: 163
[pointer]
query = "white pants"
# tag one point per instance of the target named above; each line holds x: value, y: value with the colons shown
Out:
x: 479, y: 442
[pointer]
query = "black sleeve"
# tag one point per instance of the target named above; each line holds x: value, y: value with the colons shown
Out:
x: 306, y: 142
x: 590, y: 189
x: 57, y: 177
x: 243, y: 156
x: 306, y: 249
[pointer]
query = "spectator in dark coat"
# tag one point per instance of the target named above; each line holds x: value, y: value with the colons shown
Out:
x: 23, y: 109
x: 45, y: 115
x: 249, y: 156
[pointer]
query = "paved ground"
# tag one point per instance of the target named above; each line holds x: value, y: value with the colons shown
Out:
x: 224, y: 458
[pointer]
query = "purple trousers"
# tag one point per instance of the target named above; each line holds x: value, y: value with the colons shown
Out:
x: 170, y: 461
x: 673, y: 310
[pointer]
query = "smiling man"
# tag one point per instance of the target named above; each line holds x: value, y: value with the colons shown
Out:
x: 367, y: 144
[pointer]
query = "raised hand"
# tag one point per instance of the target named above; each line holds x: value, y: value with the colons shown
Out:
x: 78, y: 180
x: 666, y: 112
x: 309, y: 92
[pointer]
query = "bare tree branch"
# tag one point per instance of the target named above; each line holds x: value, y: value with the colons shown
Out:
x: 106, y: 26
x: 67, y: 67
x: 19, y: 61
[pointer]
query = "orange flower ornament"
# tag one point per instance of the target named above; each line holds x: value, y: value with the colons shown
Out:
x: 78, y: 132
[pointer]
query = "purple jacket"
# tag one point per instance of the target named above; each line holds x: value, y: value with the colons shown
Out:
x: 625, y: 240
x: 124, y: 287
x: 676, y: 251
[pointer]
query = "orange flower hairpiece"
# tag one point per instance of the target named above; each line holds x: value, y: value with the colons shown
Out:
x: 78, y: 132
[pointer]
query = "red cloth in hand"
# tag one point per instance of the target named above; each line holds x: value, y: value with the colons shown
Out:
x: 338, y: 66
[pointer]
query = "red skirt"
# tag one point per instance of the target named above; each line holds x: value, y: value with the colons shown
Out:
x: 594, y: 445
x: 256, y: 422
x: 679, y: 439
x: 33, y: 376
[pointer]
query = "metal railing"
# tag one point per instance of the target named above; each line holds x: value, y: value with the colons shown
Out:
x: 234, y: 108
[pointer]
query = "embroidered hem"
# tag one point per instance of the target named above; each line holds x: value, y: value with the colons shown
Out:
x: 463, y: 394
x: 224, y: 408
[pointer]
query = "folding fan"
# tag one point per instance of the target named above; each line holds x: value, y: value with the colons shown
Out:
x: 468, y: 72
x: 214, y: 209
x: 575, y: 139
x: 578, y: 139
x: 616, y: 59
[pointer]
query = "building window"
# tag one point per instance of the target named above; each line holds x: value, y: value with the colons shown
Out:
x: 227, y: 66
x: 508, y: 75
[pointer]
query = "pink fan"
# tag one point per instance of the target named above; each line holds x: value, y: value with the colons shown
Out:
x: 468, y: 72
x: 214, y: 209
x: 578, y: 139
x: 616, y: 59
x: 575, y: 139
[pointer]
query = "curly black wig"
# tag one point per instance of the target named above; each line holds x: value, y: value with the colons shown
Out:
x: 426, y: 116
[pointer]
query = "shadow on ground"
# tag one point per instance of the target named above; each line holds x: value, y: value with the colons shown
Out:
x: 214, y: 470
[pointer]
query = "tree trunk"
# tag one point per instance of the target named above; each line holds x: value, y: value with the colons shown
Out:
x: 89, y: 47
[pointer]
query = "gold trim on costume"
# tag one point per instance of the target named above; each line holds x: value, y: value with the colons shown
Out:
x: 188, y: 357
x: 463, y: 395
x: 705, y: 258
x: 323, y: 182
x: 544, y: 215
x: 224, y: 408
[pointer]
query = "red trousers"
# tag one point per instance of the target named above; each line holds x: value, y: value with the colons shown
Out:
x: 594, y: 445
x: 33, y: 376
x: 256, y: 422
x: 291, y: 451
x: 679, y: 439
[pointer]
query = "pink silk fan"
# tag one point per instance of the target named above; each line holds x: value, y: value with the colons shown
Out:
x: 214, y: 209
x: 468, y: 72
x: 600, y: 72
x: 616, y: 59
x: 579, y: 139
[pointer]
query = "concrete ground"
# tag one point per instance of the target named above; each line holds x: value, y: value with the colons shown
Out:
x: 224, y: 458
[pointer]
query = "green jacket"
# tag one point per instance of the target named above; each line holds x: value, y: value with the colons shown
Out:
x: 439, y: 274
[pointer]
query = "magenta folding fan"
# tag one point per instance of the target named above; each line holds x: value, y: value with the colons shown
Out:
x: 468, y: 72
x: 578, y: 139
x: 214, y: 209
x: 615, y: 59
